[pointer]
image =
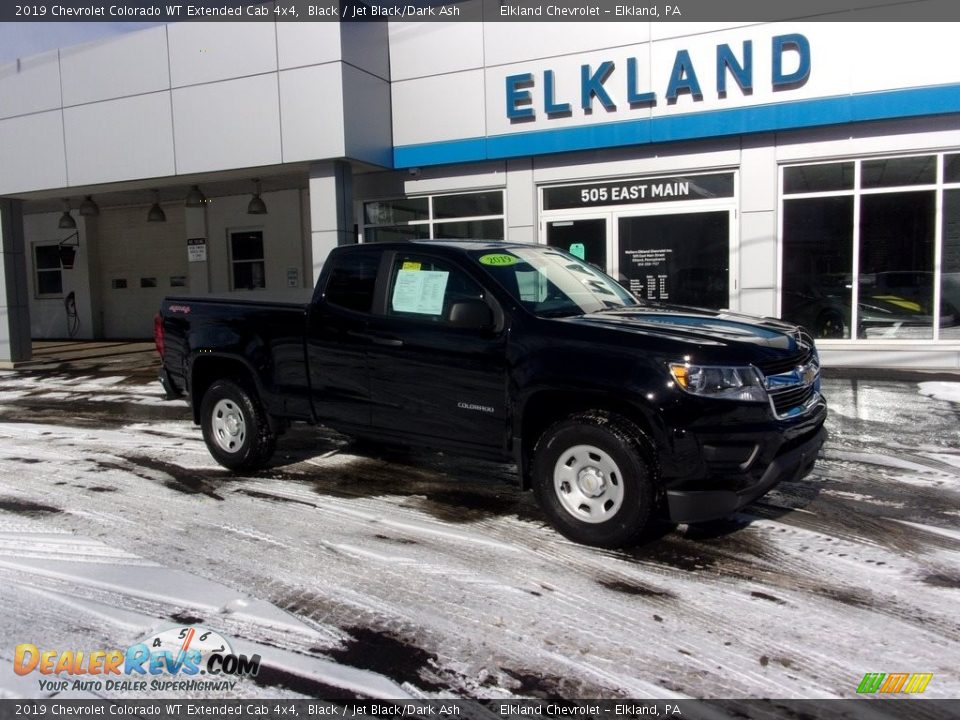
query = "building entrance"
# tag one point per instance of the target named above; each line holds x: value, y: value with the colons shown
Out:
x: 587, y: 238
x: 665, y: 239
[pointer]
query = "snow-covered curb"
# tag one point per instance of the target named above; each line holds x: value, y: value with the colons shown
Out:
x: 939, y: 390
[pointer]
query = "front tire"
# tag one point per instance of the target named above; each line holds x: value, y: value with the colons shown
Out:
x: 235, y: 427
x: 593, y: 478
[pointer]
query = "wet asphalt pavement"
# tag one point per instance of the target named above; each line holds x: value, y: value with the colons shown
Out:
x: 439, y: 575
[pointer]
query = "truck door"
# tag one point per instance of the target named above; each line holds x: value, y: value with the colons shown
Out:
x: 428, y: 375
x: 337, y: 339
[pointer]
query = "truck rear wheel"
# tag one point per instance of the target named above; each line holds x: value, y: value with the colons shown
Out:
x: 593, y: 479
x: 235, y: 427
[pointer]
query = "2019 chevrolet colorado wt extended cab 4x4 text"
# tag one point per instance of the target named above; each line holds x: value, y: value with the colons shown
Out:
x: 612, y: 409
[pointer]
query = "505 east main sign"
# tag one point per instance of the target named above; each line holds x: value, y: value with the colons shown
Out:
x: 597, y: 82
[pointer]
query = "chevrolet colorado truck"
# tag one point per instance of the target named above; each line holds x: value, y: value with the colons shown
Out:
x: 612, y: 409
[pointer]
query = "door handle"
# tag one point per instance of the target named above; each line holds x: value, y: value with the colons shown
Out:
x: 388, y: 341
x: 376, y: 339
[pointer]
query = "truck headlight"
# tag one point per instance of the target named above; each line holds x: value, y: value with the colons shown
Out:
x: 720, y: 383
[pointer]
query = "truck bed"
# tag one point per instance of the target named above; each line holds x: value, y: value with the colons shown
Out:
x: 290, y: 296
x: 264, y: 329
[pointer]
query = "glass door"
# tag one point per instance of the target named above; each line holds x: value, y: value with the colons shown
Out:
x: 680, y: 257
x: 586, y: 238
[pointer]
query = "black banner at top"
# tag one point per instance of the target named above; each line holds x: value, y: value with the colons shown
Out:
x: 476, y: 10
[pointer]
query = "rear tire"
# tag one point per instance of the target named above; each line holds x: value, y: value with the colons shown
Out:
x: 593, y: 477
x: 235, y: 427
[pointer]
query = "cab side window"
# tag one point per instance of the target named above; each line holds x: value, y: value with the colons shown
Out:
x: 352, y: 281
x: 425, y: 288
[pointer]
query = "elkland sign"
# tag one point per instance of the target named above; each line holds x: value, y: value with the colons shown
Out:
x: 654, y: 87
x: 529, y: 96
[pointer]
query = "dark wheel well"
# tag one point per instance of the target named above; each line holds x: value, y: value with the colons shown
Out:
x: 207, y: 371
x: 547, y: 408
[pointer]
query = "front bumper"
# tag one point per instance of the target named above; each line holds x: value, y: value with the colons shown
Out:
x: 686, y: 506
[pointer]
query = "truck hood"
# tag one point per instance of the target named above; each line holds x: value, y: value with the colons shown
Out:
x: 698, y: 325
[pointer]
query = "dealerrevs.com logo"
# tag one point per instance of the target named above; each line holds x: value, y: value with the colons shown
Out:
x: 176, y: 658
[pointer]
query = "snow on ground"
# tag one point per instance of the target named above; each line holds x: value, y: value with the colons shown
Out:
x: 365, y: 572
x: 949, y: 391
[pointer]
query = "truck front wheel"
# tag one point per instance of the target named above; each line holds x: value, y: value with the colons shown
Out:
x: 235, y: 427
x: 592, y: 477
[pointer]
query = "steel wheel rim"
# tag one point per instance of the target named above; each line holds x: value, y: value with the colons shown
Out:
x: 588, y: 483
x: 229, y: 426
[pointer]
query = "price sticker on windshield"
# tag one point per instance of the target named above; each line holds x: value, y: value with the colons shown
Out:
x: 498, y: 259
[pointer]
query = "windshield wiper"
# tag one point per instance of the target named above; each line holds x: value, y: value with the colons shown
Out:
x: 611, y: 308
x: 558, y: 312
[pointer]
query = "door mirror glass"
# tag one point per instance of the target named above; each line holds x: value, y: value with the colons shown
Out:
x: 471, y: 315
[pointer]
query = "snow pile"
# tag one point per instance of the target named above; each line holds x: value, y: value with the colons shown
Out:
x: 949, y: 391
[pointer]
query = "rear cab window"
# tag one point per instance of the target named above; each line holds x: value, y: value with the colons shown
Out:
x: 352, y: 281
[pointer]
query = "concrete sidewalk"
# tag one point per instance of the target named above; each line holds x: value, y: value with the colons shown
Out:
x: 97, y: 356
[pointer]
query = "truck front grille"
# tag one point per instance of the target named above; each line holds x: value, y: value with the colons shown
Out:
x: 776, y: 367
x: 784, y: 401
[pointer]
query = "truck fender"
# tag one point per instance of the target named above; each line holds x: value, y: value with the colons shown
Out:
x: 539, y: 409
x: 201, y: 373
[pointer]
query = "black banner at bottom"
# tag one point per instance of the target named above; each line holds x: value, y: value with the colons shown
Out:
x: 872, y: 708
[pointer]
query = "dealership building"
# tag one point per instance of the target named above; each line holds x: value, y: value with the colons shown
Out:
x: 809, y: 170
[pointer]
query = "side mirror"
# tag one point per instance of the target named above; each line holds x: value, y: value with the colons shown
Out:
x: 470, y: 314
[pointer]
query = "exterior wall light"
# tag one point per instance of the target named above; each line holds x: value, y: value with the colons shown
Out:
x: 67, y: 250
x: 66, y: 220
x: 195, y: 198
x: 156, y: 213
x: 256, y: 205
x: 88, y: 208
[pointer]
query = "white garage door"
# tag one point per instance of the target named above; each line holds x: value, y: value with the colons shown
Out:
x: 140, y: 263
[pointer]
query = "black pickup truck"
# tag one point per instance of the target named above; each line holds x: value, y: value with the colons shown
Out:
x: 612, y: 409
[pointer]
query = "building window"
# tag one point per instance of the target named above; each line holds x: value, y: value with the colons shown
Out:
x: 866, y: 252
x: 247, y: 268
x: 48, y: 274
x: 459, y: 216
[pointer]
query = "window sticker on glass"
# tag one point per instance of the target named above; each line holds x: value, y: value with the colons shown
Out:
x: 498, y: 259
x: 420, y: 291
x: 532, y: 286
x: 410, y: 265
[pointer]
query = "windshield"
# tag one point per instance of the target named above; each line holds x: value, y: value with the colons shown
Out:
x: 552, y: 283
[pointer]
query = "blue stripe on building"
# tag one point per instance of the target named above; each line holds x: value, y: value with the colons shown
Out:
x: 913, y: 102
